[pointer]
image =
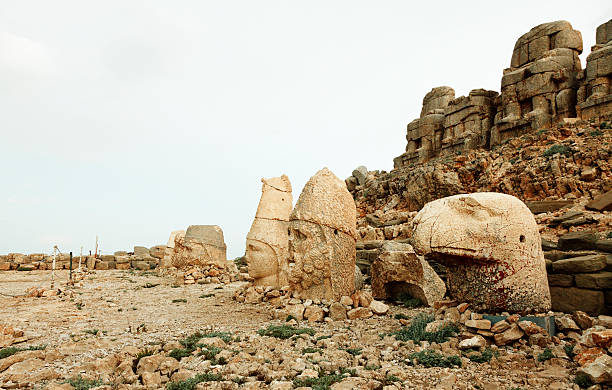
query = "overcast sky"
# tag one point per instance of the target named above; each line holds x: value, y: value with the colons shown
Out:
x: 130, y: 119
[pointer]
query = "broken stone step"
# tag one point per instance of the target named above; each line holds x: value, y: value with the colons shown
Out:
x: 547, y: 206
x: 577, y: 241
x: 601, y: 203
x: 582, y: 264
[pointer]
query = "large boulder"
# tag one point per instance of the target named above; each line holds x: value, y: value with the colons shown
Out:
x: 267, y: 243
x: 492, y: 248
x: 202, y: 245
x: 322, y: 239
x: 399, y: 270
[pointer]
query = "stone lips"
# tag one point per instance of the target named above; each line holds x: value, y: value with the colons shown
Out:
x: 492, y: 246
x: 326, y: 201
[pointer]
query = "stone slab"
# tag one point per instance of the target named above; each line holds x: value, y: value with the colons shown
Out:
x: 570, y: 299
x: 601, y: 203
x: 547, y: 206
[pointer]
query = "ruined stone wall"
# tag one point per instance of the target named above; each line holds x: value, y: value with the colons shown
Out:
x: 544, y: 85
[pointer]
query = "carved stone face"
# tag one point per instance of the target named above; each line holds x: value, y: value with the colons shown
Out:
x: 491, y: 246
x: 261, y: 258
x: 322, y: 261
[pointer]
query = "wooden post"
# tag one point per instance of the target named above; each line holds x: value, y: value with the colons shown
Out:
x: 53, y: 268
x: 80, y: 258
x: 71, y: 266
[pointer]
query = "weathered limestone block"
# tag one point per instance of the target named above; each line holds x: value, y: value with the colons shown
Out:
x: 201, y: 245
x: 267, y: 243
x: 492, y: 248
x: 540, y: 87
x: 322, y: 239
x: 437, y: 98
x: 597, y: 90
x: 570, y: 299
x: 398, y: 270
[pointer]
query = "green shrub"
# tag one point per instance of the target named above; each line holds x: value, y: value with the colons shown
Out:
x: 150, y: 285
x: 191, y: 383
x: 569, y: 350
x: 561, y: 149
x: 8, y: 351
x: 310, y: 350
x: 207, y: 295
x: 80, y: 383
x: 352, y: 351
x: 596, y: 133
x: 605, y: 125
x: 484, y: 357
x: 179, y: 353
x: 430, y: 358
x: 416, y: 331
x: 284, y: 331
x: 323, y: 382
x: 179, y: 300
x: 545, y: 355
x: 409, y: 301
x: 583, y: 381
x: 401, y: 316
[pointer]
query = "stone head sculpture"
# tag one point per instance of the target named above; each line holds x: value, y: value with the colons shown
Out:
x: 322, y: 239
x: 492, y: 248
x: 267, y: 244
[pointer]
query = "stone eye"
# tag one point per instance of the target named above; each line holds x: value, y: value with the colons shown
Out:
x: 522, y: 238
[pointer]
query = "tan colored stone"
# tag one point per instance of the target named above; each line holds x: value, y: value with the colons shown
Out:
x: 359, y: 312
x: 491, y: 245
x: 267, y: 245
x: 361, y: 298
x: 378, y: 307
x: 600, y: 370
x: 398, y: 270
x: 478, y: 324
x: 322, y: 239
x: 314, y: 313
x: 337, y: 311
x: 202, y: 245
x: 512, y: 334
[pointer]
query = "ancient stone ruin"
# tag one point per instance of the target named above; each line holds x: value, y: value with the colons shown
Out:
x: 322, y: 239
x: 491, y: 246
x: 201, y: 245
x: 399, y: 270
x: 267, y: 243
x: 544, y: 85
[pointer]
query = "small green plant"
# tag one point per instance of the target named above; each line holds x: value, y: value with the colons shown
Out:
x: 225, y: 336
x: 389, y: 379
x: 596, y: 133
x: 80, y: 383
x: 323, y: 382
x: 8, y: 351
x: 93, y: 332
x: 483, y: 357
x: 352, y: 351
x: 179, y: 300
x: 547, y: 354
x: 609, y: 235
x: 430, y: 358
x: 284, y: 331
x: 179, y: 353
x: 239, y: 379
x: 569, y: 350
x: 416, y: 331
x: 561, y: 149
x: 401, y: 316
x: 207, y: 295
x: 605, y: 125
x: 79, y: 305
x: 289, y: 318
x: 191, y: 383
x: 372, y: 367
x: 323, y: 337
x: 310, y: 350
x: 583, y: 381
x: 409, y: 301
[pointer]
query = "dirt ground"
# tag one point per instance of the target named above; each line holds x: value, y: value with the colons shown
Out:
x: 116, y: 309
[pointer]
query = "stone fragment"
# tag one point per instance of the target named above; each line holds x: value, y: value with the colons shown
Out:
x: 601, y: 203
x: 582, y: 319
x: 475, y: 342
x: 588, y: 355
x: 361, y: 298
x: 491, y: 245
x: 337, y: 311
x: 158, y: 251
x: 576, y: 241
x: 512, y: 334
x: 570, y: 299
x: 600, y: 370
x: 500, y: 326
x: 296, y: 311
x: 530, y: 328
x: 547, y: 206
x: 565, y: 323
x: 314, y: 313
x: 151, y: 378
x: 399, y: 271
x: 202, y: 245
x: 359, y: 312
x: 346, y: 300
x: 602, y: 338
x: 478, y: 324
x: 378, y: 307
x: 581, y: 264
x: 598, y: 281
x: 360, y: 173
x: 560, y: 280
x: 322, y: 239
x: 267, y: 244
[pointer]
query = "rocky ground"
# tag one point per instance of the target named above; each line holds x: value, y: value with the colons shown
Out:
x: 134, y: 329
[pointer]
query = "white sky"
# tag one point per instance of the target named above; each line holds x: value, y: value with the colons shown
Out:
x: 130, y: 119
